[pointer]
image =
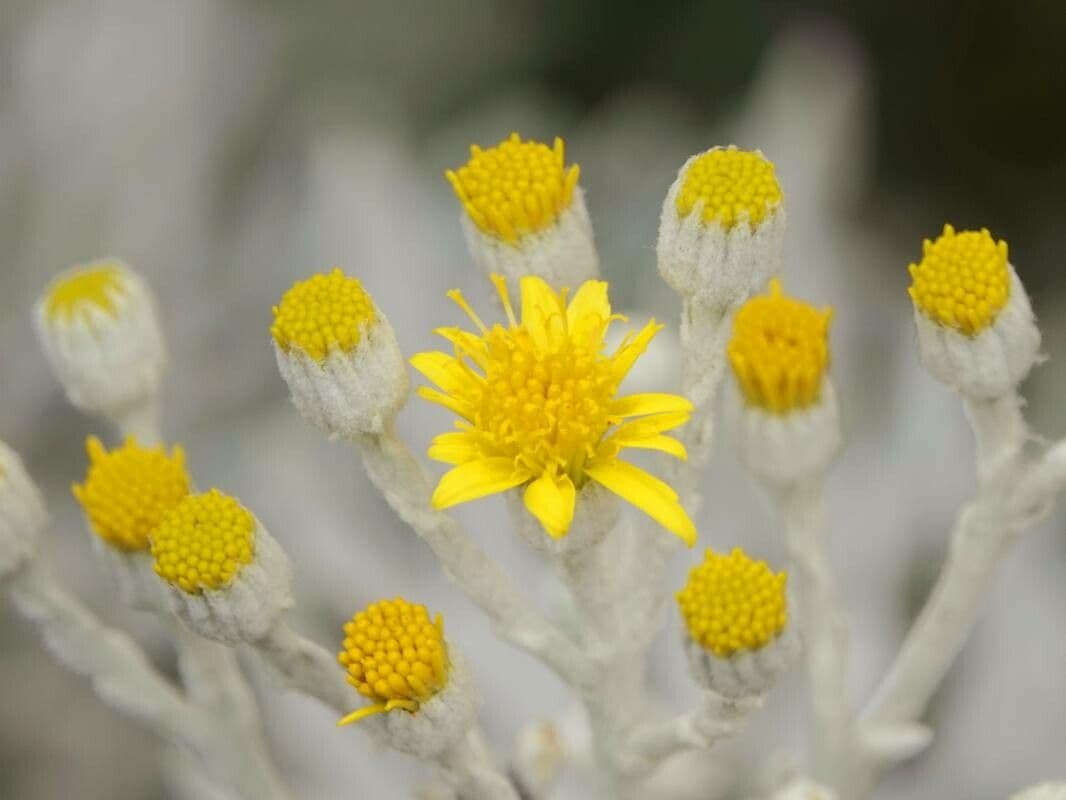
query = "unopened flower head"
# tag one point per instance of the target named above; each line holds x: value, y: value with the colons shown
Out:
x: 731, y: 187
x: 97, y: 323
x: 733, y: 603
x: 22, y: 513
x: 227, y: 577
x: 786, y: 425
x: 975, y: 326
x: 539, y: 407
x: 395, y: 656
x: 129, y: 489
x: 780, y: 351
x: 339, y: 356
x: 722, y: 227
x: 962, y: 281
x: 204, y: 542
x: 735, y: 611
x: 524, y: 211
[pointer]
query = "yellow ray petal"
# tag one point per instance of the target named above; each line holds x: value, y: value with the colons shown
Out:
x: 455, y: 447
x: 664, y: 444
x: 647, y: 493
x: 630, y: 350
x: 539, y: 301
x: 635, y: 405
x: 468, y: 344
x: 456, y: 404
x: 477, y: 479
x: 446, y: 371
x: 550, y: 498
x: 590, y: 299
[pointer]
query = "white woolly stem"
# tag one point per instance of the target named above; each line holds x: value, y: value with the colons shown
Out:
x: 399, y: 477
x: 715, y: 718
x: 123, y: 678
x: 306, y: 667
x: 472, y: 774
x: 212, y: 677
x: 309, y: 668
x: 822, y: 623
x: 588, y: 574
x: 140, y: 421
x: 704, y: 333
x: 1012, y: 494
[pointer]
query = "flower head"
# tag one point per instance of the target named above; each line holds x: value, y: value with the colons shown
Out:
x: 339, y: 356
x: 203, y: 542
x: 539, y: 407
x: 395, y: 655
x: 721, y: 230
x: 731, y: 186
x: 128, y: 490
x: 322, y: 313
x: 79, y: 292
x: 779, y: 351
x: 732, y: 603
x: 97, y: 324
x: 962, y: 281
x: 516, y: 187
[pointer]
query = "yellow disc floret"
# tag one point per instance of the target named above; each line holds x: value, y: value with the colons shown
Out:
x: 77, y: 291
x: 204, y: 542
x: 780, y: 351
x: 541, y: 409
x: 962, y: 281
x: 322, y: 314
x: 732, y: 603
x: 733, y: 185
x: 128, y: 490
x: 395, y: 655
x: 516, y: 187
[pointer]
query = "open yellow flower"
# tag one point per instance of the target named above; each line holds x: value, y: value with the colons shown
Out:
x: 539, y: 408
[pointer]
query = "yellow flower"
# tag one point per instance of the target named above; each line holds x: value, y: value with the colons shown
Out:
x: 516, y: 187
x: 780, y: 351
x: 323, y: 313
x: 203, y: 542
x: 962, y: 281
x: 732, y: 603
x: 77, y: 290
x: 128, y: 490
x: 733, y: 185
x: 395, y: 655
x: 540, y: 408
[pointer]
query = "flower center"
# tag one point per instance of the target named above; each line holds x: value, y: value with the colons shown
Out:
x: 204, y: 542
x: 732, y: 603
x: 545, y: 408
x: 516, y: 187
x: 779, y: 351
x: 962, y: 281
x: 393, y: 651
x: 84, y: 288
x: 322, y: 314
x: 127, y: 491
x: 733, y: 185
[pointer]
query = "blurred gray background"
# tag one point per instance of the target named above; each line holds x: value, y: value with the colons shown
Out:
x: 228, y: 148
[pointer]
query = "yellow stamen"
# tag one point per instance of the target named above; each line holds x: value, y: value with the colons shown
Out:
x: 77, y: 291
x: 204, y: 542
x: 962, y: 281
x: 516, y: 187
x: 732, y: 603
x: 323, y: 314
x: 733, y: 186
x: 128, y: 490
x: 394, y: 655
x: 779, y: 351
